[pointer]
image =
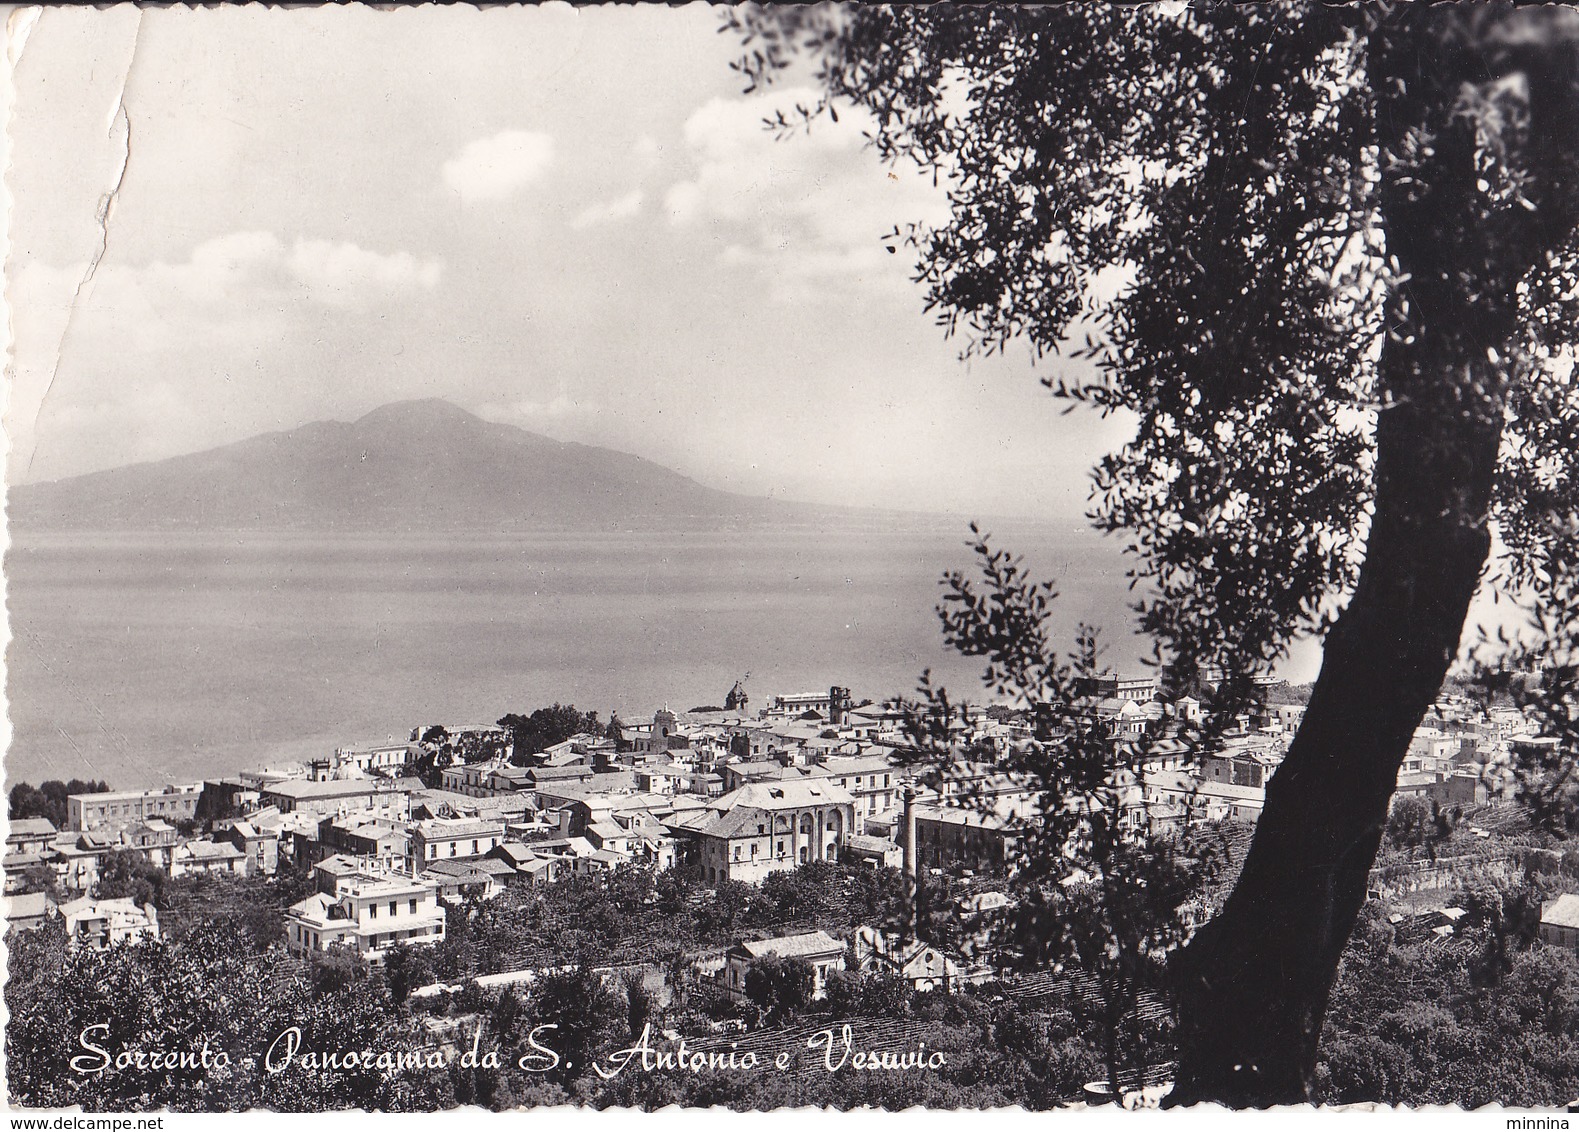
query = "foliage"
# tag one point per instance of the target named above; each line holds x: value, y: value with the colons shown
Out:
x: 636, y: 915
x: 211, y: 990
x: 336, y: 969
x: 638, y: 1002
x: 254, y: 902
x: 615, y: 731
x: 48, y: 799
x: 406, y: 969
x: 40, y: 878
x: 1097, y: 888
x: 1411, y: 1024
x: 128, y: 873
x: 440, y: 750
x: 547, y: 726
x: 1324, y: 255
x: 1410, y: 822
x: 780, y: 988
x: 853, y: 994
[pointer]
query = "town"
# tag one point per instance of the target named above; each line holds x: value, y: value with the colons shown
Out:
x: 727, y: 794
x: 397, y: 847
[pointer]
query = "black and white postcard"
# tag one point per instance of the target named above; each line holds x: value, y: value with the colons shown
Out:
x: 981, y: 557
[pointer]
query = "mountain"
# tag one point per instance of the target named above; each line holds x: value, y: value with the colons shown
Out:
x: 409, y: 466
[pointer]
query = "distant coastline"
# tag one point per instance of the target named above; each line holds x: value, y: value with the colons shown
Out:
x: 164, y: 656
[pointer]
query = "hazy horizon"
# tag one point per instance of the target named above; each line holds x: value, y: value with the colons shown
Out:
x: 146, y: 658
x: 598, y: 241
x: 918, y: 513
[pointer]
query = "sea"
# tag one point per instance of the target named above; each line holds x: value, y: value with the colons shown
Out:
x: 143, y: 659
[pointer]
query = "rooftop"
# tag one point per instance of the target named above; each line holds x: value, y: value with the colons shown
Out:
x: 342, y: 788
x: 793, y: 946
x: 785, y: 795
x: 1562, y: 912
x: 460, y: 827
x: 31, y: 827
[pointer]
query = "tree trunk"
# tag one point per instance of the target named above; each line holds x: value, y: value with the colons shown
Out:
x: 1255, y: 980
x: 1253, y: 984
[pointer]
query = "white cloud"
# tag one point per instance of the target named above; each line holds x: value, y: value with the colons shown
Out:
x: 245, y: 270
x: 243, y: 267
x: 342, y: 274
x: 494, y: 168
x: 175, y: 334
x: 538, y: 413
x: 621, y: 208
x: 812, y: 208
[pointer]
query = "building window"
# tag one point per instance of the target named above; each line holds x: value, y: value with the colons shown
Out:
x: 413, y: 907
x: 372, y: 911
x: 391, y: 907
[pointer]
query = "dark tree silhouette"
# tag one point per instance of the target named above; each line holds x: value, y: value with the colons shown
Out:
x: 1344, y: 237
x: 48, y: 800
x: 779, y: 988
x: 547, y: 726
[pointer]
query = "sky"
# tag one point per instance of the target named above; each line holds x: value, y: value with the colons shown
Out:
x: 571, y: 220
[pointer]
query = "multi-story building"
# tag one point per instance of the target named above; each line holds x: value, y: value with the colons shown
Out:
x: 387, y: 760
x: 386, y: 842
x: 29, y: 845
x: 1110, y: 685
x: 448, y: 839
x: 830, y: 705
x: 367, y: 913
x: 29, y: 835
x: 738, y: 774
x: 260, y: 847
x: 768, y: 827
x: 1240, y: 766
x: 117, y: 809
x: 269, y: 775
x: 1202, y: 801
x: 485, y: 780
x: 870, y: 779
x: 390, y: 801
x: 207, y: 857
x: 982, y: 839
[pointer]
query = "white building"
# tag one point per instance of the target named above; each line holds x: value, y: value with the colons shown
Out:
x: 104, y: 923
x: 870, y: 779
x: 367, y: 913
x: 121, y: 808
